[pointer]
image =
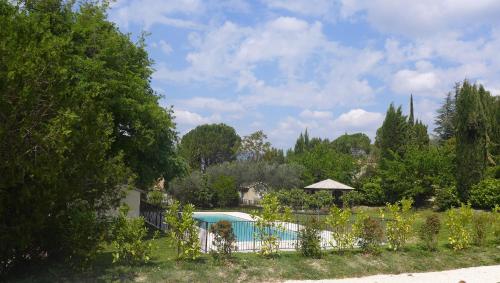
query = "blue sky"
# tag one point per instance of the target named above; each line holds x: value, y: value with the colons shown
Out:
x: 332, y: 67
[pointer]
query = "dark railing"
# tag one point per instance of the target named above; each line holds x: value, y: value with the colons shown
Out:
x: 153, y: 215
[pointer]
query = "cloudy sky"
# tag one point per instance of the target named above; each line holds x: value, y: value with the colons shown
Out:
x: 332, y: 67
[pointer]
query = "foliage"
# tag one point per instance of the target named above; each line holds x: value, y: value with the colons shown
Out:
x: 352, y: 198
x: 446, y: 198
x: 322, y: 162
x: 343, y: 235
x: 458, y: 222
x: 471, y: 135
x: 445, y: 120
x: 274, y: 155
x: 429, y: 231
x: 211, y: 144
x: 320, y: 199
x: 372, y: 193
x: 496, y: 223
x: 392, y: 136
x: 182, y: 230
x: 310, y: 239
x: 79, y: 122
x: 224, y: 240
x: 355, y: 144
x: 226, y: 193
x: 481, y: 223
x: 485, y: 194
x: 254, y: 146
x: 129, y: 240
x: 399, y: 223
x: 418, y: 174
x: 193, y: 188
x: 371, y: 235
x: 297, y: 199
x: 155, y: 197
x: 269, y: 222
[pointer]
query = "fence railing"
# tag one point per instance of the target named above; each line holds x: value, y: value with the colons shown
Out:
x: 153, y: 215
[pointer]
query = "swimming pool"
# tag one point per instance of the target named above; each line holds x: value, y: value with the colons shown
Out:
x: 243, y: 229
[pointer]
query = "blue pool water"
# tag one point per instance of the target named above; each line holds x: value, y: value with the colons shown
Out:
x: 243, y: 229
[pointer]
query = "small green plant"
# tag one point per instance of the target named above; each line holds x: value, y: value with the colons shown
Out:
x: 343, y: 236
x: 429, y: 231
x: 399, y: 224
x: 371, y: 235
x: 496, y: 223
x: 182, y: 231
x: 129, y: 240
x: 480, y: 227
x: 310, y: 239
x: 269, y: 224
x: 458, y: 222
x: 224, y: 240
x: 155, y: 197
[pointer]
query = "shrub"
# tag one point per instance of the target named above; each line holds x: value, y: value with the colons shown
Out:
x: 310, y: 239
x: 268, y: 224
x: 399, y: 224
x: 353, y: 198
x: 224, y: 240
x: 155, y: 197
x: 182, y: 231
x: 496, y: 223
x: 373, y: 193
x: 458, y: 222
x: 480, y: 225
x: 226, y: 193
x: 343, y: 236
x: 485, y: 194
x: 371, y: 235
x: 429, y: 231
x: 446, y: 198
x: 129, y: 239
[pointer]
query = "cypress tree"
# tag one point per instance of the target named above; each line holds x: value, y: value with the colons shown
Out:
x: 393, y: 135
x: 445, y: 120
x: 471, y: 135
x: 300, y: 144
x: 306, y: 140
x: 411, y: 119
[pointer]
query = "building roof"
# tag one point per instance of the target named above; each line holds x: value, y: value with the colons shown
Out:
x: 329, y: 184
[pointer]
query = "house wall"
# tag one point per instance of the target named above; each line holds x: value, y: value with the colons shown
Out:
x: 133, y: 200
x: 250, y: 196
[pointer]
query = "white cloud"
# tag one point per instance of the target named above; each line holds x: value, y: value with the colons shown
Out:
x: 410, y: 81
x: 424, y: 17
x: 212, y: 104
x: 188, y: 118
x: 308, y: 114
x: 304, y: 7
x: 165, y: 47
x: 359, y: 119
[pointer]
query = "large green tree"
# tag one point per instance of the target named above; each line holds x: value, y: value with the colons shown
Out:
x: 393, y: 136
x: 445, y: 119
x: 355, y: 144
x: 254, y: 146
x: 78, y: 122
x: 209, y: 144
x: 471, y: 136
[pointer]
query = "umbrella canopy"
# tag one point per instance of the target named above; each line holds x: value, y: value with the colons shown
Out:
x: 329, y: 184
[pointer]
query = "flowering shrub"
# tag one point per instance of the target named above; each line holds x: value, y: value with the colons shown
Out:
x: 343, y: 236
x: 182, y: 231
x: 458, y: 222
x: 399, y: 224
x: 224, y: 240
x: 268, y: 222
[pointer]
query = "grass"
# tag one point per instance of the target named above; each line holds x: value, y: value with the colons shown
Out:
x: 249, y: 267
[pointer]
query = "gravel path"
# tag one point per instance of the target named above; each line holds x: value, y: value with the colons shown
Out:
x: 481, y: 274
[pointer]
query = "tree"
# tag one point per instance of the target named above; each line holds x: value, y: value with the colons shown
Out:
x: 392, y: 137
x: 225, y: 191
x: 254, y: 146
x: 355, y: 144
x: 274, y: 155
x: 79, y: 123
x: 209, y: 144
x: 445, y: 120
x: 300, y: 145
x: 420, y: 136
x: 411, y: 118
x: 471, y: 137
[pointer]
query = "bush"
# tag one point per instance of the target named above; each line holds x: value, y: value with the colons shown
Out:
x: 458, y: 222
x: 373, y: 193
x: 496, y: 223
x: 399, y: 224
x: 480, y: 227
x: 319, y: 200
x: 446, y: 198
x: 129, y: 239
x: 353, y: 198
x: 226, y: 193
x: 485, y: 194
x: 268, y: 224
x: 429, y: 231
x: 224, y: 240
x: 182, y: 231
x: 343, y: 236
x: 310, y: 239
x: 371, y: 235
x: 155, y: 197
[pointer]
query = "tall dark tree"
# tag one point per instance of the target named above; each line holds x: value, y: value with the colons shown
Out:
x: 445, y: 120
x: 411, y: 118
x: 306, y: 139
x: 209, y: 144
x: 471, y: 135
x: 300, y: 144
x: 420, y: 135
x: 392, y: 137
x: 79, y: 122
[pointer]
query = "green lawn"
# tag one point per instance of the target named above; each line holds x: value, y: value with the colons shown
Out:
x: 250, y: 267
